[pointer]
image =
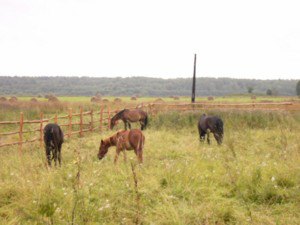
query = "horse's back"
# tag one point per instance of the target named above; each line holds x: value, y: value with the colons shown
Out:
x: 135, y: 114
x: 131, y: 138
x: 214, y: 123
x: 136, y: 136
x: 52, y: 132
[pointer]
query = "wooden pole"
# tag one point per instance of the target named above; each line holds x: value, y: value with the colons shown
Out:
x: 41, y: 129
x: 81, y: 121
x: 92, y: 120
x: 194, y: 81
x: 21, y: 133
x: 70, y: 123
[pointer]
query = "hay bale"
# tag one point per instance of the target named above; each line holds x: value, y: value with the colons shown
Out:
x: 13, y: 99
x: 3, y: 99
x: 117, y: 100
x: 159, y: 100
x: 96, y: 99
x: 133, y: 98
x: 253, y: 97
x: 210, y: 98
x: 33, y: 100
x: 53, y: 98
x: 105, y: 100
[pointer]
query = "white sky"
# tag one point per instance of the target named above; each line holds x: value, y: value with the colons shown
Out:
x: 157, y: 38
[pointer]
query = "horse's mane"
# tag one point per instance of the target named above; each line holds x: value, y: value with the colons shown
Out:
x: 119, y: 114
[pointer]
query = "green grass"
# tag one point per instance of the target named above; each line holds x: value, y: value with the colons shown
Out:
x: 253, y: 178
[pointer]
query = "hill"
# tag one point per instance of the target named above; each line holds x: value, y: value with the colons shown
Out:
x: 144, y: 86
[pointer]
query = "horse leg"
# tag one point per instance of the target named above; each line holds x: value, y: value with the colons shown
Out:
x: 208, y: 140
x: 139, y: 154
x: 59, y: 154
x: 48, y: 155
x: 117, y: 155
x: 55, y: 156
x: 142, y: 125
x: 129, y: 125
x: 124, y: 154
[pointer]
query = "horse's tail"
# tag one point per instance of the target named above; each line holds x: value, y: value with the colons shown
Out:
x: 219, y: 126
x: 140, y: 147
x: 146, y: 121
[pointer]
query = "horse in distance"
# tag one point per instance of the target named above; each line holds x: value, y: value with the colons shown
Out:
x: 130, y: 116
x: 53, y: 139
x: 124, y: 140
x: 211, y: 124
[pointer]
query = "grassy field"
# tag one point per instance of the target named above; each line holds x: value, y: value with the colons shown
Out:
x: 253, y: 178
x: 233, y: 98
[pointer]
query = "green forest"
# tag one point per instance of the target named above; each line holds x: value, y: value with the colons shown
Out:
x: 142, y: 86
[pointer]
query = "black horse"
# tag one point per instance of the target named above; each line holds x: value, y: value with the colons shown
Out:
x: 209, y: 124
x: 53, y: 138
x: 127, y: 116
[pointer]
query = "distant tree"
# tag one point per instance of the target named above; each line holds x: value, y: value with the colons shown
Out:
x: 269, y: 92
x: 250, y: 89
x: 298, y: 88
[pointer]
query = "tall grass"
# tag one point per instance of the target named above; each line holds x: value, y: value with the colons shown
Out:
x: 253, y: 178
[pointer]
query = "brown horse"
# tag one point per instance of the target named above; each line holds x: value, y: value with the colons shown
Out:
x: 127, y: 116
x: 124, y: 140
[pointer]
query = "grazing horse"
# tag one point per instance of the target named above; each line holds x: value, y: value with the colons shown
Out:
x: 53, y: 138
x: 127, y: 116
x: 209, y: 124
x: 124, y: 140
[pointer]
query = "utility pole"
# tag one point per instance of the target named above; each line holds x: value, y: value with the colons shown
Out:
x: 194, y: 80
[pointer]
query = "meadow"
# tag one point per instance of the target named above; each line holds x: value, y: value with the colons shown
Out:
x: 253, y: 178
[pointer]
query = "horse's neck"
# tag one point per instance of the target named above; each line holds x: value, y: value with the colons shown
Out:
x: 111, y: 141
x: 116, y: 117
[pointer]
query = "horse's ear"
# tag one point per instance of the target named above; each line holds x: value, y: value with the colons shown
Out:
x: 101, y: 141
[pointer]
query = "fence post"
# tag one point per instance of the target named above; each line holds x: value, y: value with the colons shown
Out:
x: 41, y: 129
x: 108, y: 118
x: 101, y: 118
x: 21, y: 133
x: 81, y: 121
x: 92, y: 120
x: 70, y: 122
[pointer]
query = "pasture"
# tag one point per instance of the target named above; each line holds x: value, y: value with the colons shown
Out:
x: 252, y: 178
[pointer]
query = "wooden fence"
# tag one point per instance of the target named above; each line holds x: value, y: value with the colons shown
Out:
x: 90, y: 121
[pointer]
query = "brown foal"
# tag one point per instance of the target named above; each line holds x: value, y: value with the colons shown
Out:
x: 124, y: 140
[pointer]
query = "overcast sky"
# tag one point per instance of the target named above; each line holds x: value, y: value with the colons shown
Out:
x: 233, y: 38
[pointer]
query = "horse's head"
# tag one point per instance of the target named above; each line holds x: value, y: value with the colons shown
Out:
x: 103, y: 148
x: 113, y: 122
x: 219, y: 137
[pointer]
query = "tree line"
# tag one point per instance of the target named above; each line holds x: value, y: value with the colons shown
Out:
x: 142, y: 86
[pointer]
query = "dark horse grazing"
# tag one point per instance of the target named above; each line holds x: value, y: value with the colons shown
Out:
x: 127, y: 116
x: 124, y: 140
x: 53, y: 138
x: 209, y: 124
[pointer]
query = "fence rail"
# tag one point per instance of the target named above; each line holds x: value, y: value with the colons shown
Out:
x: 90, y: 121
